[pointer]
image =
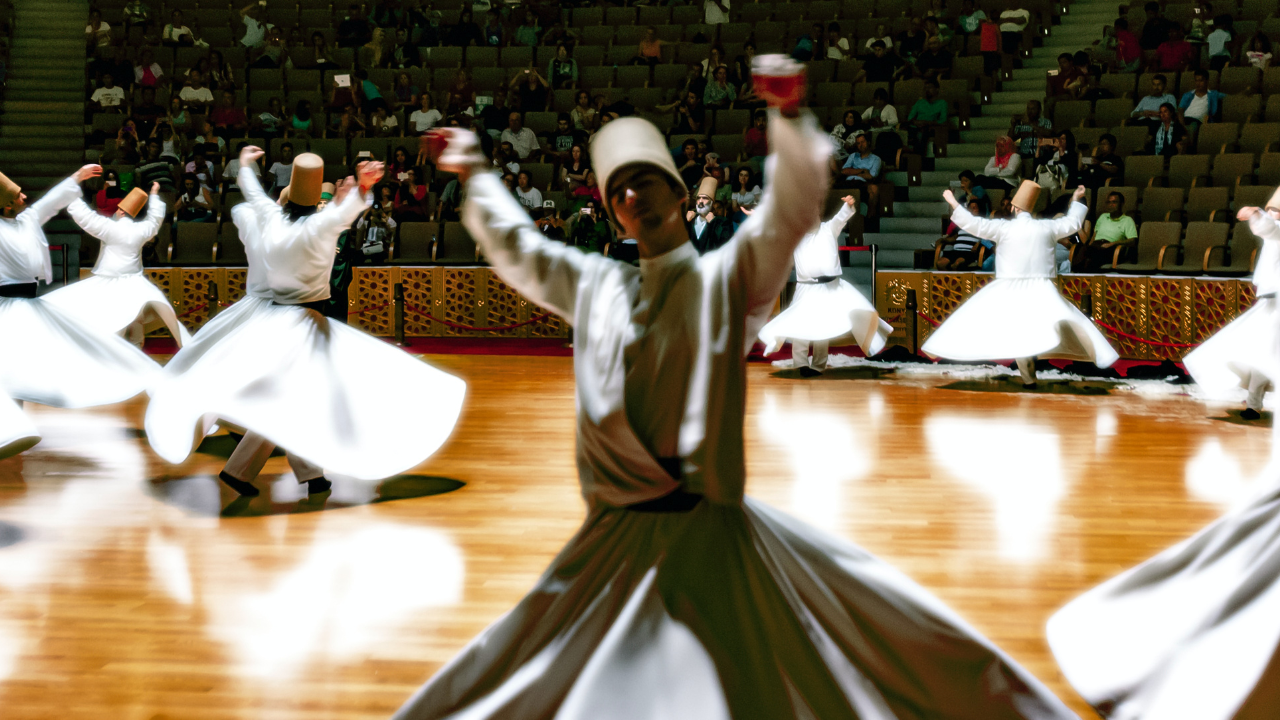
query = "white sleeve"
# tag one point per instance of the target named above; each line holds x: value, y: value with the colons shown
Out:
x: 89, y: 220
x: 839, y: 220
x: 1070, y: 224
x: 58, y: 197
x: 155, y: 216
x: 1263, y: 226
x: 981, y: 228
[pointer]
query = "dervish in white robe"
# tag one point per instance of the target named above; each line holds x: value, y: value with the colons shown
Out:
x: 49, y: 356
x: 338, y: 400
x: 825, y: 306
x: 1245, y: 352
x: 1020, y: 315
x: 117, y: 298
x: 679, y: 597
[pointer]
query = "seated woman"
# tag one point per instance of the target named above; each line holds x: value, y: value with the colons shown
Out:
x: 573, y: 173
x: 1004, y: 169
x: 1057, y: 166
x: 1171, y: 137
x: 720, y: 93
x: 746, y: 195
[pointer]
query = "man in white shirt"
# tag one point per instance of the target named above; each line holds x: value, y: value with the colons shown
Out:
x: 837, y: 46
x: 197, y: 97
x: 282, y: 169
x: 110, y: 96
x: 717, y: 11
x: 1012, y: 22
x: 232, y: 169
x: 255, y: 32
x: 523, y: 140
x: 425, y: 117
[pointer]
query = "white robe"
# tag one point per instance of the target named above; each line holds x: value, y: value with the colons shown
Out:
x: 326, y: 392
x: 730, y: 609
x: 118, y: 294
x: 1020, y: 314
x: 1250, y: 344
x: 17, y: 432
x: 48, y: 356
x: 826, y: 311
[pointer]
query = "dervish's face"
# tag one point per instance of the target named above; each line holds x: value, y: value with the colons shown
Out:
x: 702, y: 204
x: 642, y: 200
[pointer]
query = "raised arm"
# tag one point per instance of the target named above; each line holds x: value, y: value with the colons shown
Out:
x: 250, y: 186
x: 148, y: 228
x: 841, y: 218
x: 61, y: 195
x: 1262, y: 225
x: 325, y: 226
x: 89, y: 219
x: 1070, y: 224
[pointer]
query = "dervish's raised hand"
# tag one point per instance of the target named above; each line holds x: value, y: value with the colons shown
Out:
x: 455, y: 150
x: 1247, y: 212
x: 370, y: 173
x: 851, y: 201
x: 250, y: 155
x: 950, y: 198
x: 155, y: 188
x: 86, y: 172
x: 1079, y: 193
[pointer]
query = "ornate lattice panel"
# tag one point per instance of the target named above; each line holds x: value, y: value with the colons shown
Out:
x: 946, y: 292
x: 372, y: 308
x: 1246, y: 294
x: 193, y: 299
x: 420, y: 299
x: 1074, y: 289
x: 502, y: 306
x: 1215, y: 306
x: 1125, y: 308
x: 232, y: 288
x: 460, y: 301
x: 1165, y: 306
x: 550, y: 327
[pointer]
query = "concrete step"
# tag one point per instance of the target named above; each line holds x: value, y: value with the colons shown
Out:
x: 938, y: 178
x: 927, y: 195
x: 46, y: 45
x: 902, y: 241
x: 954, y: 165
x: 46, y: 95
x: 1004, y: 110
x: 57, y: 141
x: 919, y: 209
x: 1009, y: 97
x: 921, y: 225
x: 898, y: 178
x: 984, y: 137
x: 43, y: 120
x: 1031, y: 73
x: 1030, y: 85
x: 991, y: 121
x: 895, y: 259
x: 18, y: 106
x: 14, y: 157
x: 970, y: 149
x: 59, y: 82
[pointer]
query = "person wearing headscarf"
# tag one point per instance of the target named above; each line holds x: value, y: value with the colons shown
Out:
x: 1004, y: 169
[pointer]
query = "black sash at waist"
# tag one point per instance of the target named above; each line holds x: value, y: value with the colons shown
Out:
x: 20, y: 290
x: 317, y: 305
x: 678, y: 500
x: 820, y: 280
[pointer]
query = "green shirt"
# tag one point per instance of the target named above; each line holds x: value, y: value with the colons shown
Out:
x: 1116, y: 231
x: 935, y: 111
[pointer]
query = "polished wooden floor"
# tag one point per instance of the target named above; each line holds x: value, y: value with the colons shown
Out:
x: 133, y: 589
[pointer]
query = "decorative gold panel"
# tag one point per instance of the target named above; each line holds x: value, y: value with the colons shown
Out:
x: 1126, y: 310
x: 551, y: 327
x: 460, y: 301
x: 371, y: 301
x: 1246, y: 294
x: 1165, y: 312
x: 1074, y: 289
x: 232, y: 290
x: 1215, y: 306
x: 502, y: 306
x: 192, y: 307
x: 419, y: 286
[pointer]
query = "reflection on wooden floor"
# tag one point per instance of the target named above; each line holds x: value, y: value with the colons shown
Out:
x: 128, y: 590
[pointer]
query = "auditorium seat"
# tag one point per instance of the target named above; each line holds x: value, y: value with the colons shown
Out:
x: 1153, y: 237
x: 455, y: 246
x: 1208, y: 203
x: 414, y: 246
x: 1235, y: 258
x: 1201, y: 238
x: 194, y: 243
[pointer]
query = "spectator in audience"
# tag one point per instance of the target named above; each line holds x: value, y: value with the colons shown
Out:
x: 147, y: 113
x: 522, y: 139
x: 375, y: 227
x: 195, y: 204
x: 1057, y: 168
x: 562, y: 71
x: 1147, y: 111
x: 527, y: 32
x: 649, y: 50
x: 108, y: 198
x: 404, y: 94
x: 882, y: 117
x: 882, y: 35
x: 425, y: 117
x: 1220, y: 43
x: 712, y: 168
x: 1013, y: 22
x: 1112, y: 229
x: 322, y: 57
x: 927, y: 115
x: 387, y: 14
x: 509, y: 181
x: 197, y: 97
x: 494, y: 115
x: 1128, y: 50
x: 382, y: 124
x: 466, y: 33
x: 178, y: 119
x: 690, y: 115
x: 961, y: 247
x: 1055, y: 86
x: 1174, y: 54
x: 214, y: 144
x: 1170, y: 137
x: 969, y: 22
x: 911, y: 41
x: 97, y: 34
x: 713, y: 60
x: 582, y: 114
x: 493, y: 32
x: 136, y: 14
x: 528, y: 195
x: 746, y: 194
x: 1004, y: 169
x: 147, y: 73
x: 1155, y: 30
x: 1259, y: 53
x: 1004, y: 212
x: 117, y: 64
x: 560, y: 34
x: 282, y: 169
x: 588, y: 191
x: 720, y: 93
x: 935, y: 28
x: 301, y: 124
x: 221, y: 76
x: 934, y: 63
x: 862, y: 170
x: 451, y: 200
x: 843, y: 135
x: 1201, y: 105
x: 573, y: 171
x: 969, y: 189
x: 371, y: 55
x: 837, y: 45
x: 397, y: 171
x: 155, y: 168
x: 228, y: 119
x: 716, y: 11
x: 531, y: 90
x: 109, y: 97
x: 255, y: 31
x: 695, y: 81
x: 404, y: 53
x: 411, y: 200
x: 176, y: 34
x: 200, y: 165
x: 232, y: 169
x: 367, y: 92
x: 349, y: 125
x: 590, y: 230
x: 1104, y: 165
x: 553, y: 225
x: 201, y: 66
x: 690, y: 163
x: 126, y: 150
x: 755, y: 140
x: 355, y: 30
x: 561, y: 140
x: 882, y: 66
x: 706, y: 231
x: 461, y: 94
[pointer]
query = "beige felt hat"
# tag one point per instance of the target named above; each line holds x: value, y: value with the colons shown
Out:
x: 1274, y: 202
x: 708, y: 187
x: 133, y: 203
x: 1026, y: 197
x: 630, y: 141
x: 306, y: 181
x: 327, y: 191
x: 9, y: 191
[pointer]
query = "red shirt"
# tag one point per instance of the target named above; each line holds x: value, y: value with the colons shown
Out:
x: 1174, y: 55
x: 1127, y: 48
x: 990, y: 36
x: 756, y: 142
x: 1058, y: 83
x: 106, y: 205
x: 227, y: 117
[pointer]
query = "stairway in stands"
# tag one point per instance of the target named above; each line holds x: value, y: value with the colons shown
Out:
x: 42, y: 118
x: 916, y: 222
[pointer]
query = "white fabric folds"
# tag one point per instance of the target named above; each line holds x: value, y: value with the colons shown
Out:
x: 17, y: 432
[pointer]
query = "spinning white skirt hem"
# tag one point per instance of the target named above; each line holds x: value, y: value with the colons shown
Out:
x: 17, y: 432
x: 111, y: 304
x: 828, y: 311
x: 1014, y: 318
x: 323, y: 391
x: 52, y: 358
x: 1248, y: 344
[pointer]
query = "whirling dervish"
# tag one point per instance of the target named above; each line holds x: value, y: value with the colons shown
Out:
x: 680, y: 597
x: 1245, y: 353
x: 1020, y: 315
x: 49, y: 356
x: 825, y: 306
x: 336, y: 399
x: 118, y: 298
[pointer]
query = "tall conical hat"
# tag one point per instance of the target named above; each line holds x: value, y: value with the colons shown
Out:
x: 306, y: 180
x: 629, y: 141
x: 708, y: 187
x: 327, y: 191
x: 1274, y: 202
x: 133, y: 203
x: 1026, y: 197
x: 9, y: 191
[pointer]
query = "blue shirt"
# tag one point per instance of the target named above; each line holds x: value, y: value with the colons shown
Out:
x: 1215, y: 101
x: 1153, y: 104
x: 871, y: 163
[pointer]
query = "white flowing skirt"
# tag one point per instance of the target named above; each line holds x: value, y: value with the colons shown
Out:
x: 17, y: 432
x: 1245, y: 346
x: 726, y: 611
x: 1017, y: 318
x: 49, y: 357
x: 826, y: 312
x: 1191, y: 633
x: 326, y: 392
x: 111, y: 304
